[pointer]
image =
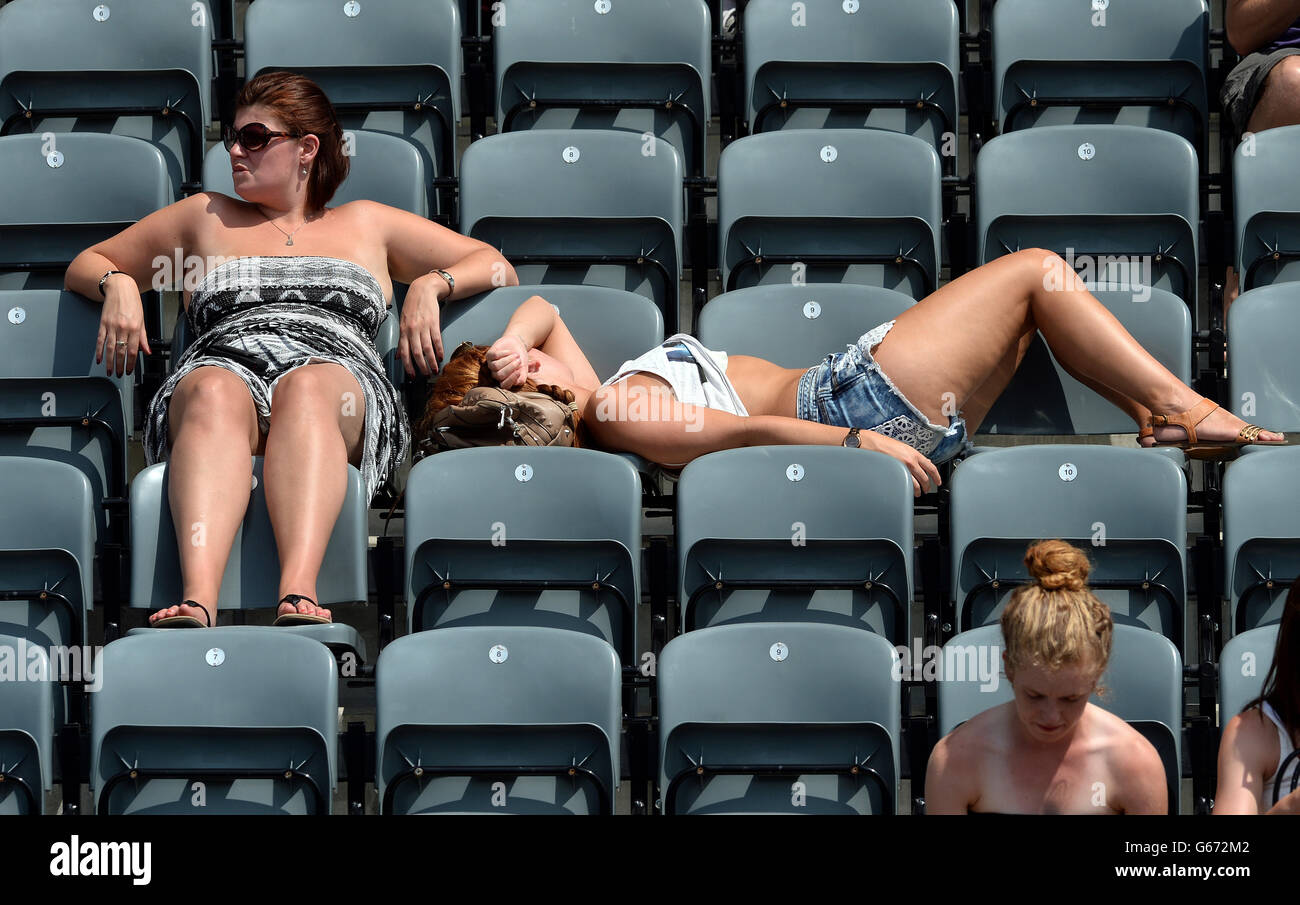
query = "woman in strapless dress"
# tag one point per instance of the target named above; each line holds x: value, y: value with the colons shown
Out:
x: 285, y: 313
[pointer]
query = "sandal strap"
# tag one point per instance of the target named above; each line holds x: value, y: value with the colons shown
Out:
x: 295, y: 599
x: 1249, y: 433
x: 206, y: 615
x: 1187, y: 420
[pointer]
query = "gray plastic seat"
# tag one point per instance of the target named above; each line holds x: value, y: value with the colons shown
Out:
x: 1143, y: 685
x: 642, y: 66
x: 542, y: 536
x: 131, y: 67
x: 1264, y: 379
x: 1043, y: 399
x: 1266, y: 208
x: 101, y: 185
x: 252, y: 577
x: 1091, y: 192
x: 609, y: 325
x: 26, y: 728
x: 1261, y: 535
x: 830, y: 206
x: 878, y: 64
x: 796, y: 326
x: 542, y: 197
x: 785, y: 718
x: 794, y: 534
x: 383, y: 168
x: 56, y: 403
x: 1243, y: 667
x: 1135, y: 502
x: 498, y: 720
x: 232, y: 720
x: 1141, y: 64
x: 390, y: 67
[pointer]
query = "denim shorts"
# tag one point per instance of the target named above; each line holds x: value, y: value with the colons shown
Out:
x: 848, y: 389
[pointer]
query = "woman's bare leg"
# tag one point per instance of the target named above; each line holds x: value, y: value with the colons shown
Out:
x: 943, y: 350
x: 209, y: 407
x: 317, y: 414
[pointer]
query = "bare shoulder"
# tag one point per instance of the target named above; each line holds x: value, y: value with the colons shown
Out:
x: 1132, y: 761
x: 1252, y: 733
x: 977, y: 739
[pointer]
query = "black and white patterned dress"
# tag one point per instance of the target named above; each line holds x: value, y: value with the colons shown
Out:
x: 289, y: 312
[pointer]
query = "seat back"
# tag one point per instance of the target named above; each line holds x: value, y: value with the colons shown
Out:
x: 1125, y: 508
x: 1243, y: 666
x: 27, y: 704
x: 1143, y: 685
x: 1120, y: 203
x: 1266, y: 208
x: 1264, y: 380
x: 611, y: 326
x: 131, y: 67
x: 248, y: 723
x: 1140, y: 64
x: 796, y: 533
x: 778, y: 717
x: 1261, y: 535
x: 1043, y: 399
x: 498, y: 719
x: 830, y: 206
x: 392, y: 67
x: 796, y: 326
x: 543, y: 536
x: 643, y: 67
x: 542, y: 198
x: 854, y: 65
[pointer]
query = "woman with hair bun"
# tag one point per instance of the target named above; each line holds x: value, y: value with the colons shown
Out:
x: 285, y: 310
x: 1049, y: 750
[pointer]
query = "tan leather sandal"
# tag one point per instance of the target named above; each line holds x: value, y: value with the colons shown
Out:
x: 1210, y: 449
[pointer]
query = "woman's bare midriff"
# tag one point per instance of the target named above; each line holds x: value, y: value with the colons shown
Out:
x: 765, y: 388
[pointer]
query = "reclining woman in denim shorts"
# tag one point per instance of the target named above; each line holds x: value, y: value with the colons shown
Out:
x: 913, y: 388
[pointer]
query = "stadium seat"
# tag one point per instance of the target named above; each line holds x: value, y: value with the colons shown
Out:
x: 56, y: 403
x: 390, y: 67
x: 878, y: 64
x: 642, y: 66
x: 234, y: 720
x: 131, y: 67
x: 1125, y: 508
x: 1110, y: 199
x: 1264, y: 379
x: 1043, y: 399
x: 796, y: 326
x: 611, y: 326
x: 65, y: 193
x: 26, y: 727
x: 382, y: 168
x: 1143, y: 684
x: 830, y: 206
x: 1141, y: 64
x: 1261, y: 535
x: 778, y: 718
x: 794, y: 534
x: 252, y: 577
x: 496, y: 719
x: 1266, y: 208
x: 1243, y: 666
x: 519, y: 535
x: 543, y: 198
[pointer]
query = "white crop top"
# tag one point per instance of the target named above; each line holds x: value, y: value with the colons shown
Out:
x: 1279, y: 781
x: 697, y: 375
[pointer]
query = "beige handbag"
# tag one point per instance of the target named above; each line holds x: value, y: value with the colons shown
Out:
x: 491, y: 416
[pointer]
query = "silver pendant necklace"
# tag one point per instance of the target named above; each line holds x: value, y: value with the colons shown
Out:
x: 288, y: 237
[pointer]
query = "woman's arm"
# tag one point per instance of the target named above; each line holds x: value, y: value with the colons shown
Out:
x: 536, y: 324
x: 1144, y: 784
x: 1243, y: 752
x: 950, y: 786
x: 1250, y: 24
x: 417, y: 247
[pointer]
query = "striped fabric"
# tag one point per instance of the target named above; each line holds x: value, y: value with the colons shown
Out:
x: 289, y: 312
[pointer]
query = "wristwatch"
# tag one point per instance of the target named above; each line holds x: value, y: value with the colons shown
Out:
x: 451, y: 281
x: 852, y: 441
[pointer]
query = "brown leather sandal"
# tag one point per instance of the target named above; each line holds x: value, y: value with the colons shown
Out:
x: 185, y: 621
x: 299, y: 618
x: 1210, y: 449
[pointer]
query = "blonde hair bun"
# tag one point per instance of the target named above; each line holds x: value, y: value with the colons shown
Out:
x: 1056, y: 565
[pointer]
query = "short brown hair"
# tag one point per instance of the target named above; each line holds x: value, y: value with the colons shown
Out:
x: 305, y: 110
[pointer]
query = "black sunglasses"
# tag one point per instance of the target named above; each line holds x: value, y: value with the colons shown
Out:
x: 252, y: 137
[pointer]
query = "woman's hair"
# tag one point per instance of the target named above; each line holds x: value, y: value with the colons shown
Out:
x: 305, y: 110
x: 1056, y: 621
x: 1282, y: 683
x: 466, y: 369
